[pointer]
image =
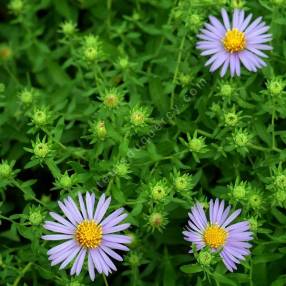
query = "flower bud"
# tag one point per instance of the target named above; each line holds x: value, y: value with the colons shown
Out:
x: 231, y: 119
x: 121, y: 169
x: 134, y: 259
x: 40, y: 117
x: 123, y: 63
x: 253, y: 223
x: 139, y: 116
x: 226, y: 90
x: 183, y: 183
x: 35, y: 217
x: 157, y: 221
x: 255, y: 201
x: 16, y: 6
x: 205, y: 258
x: 197, y: 145
x: 111, y: 99
x: 241, y: 138
x: 159, y: 191
x: 68, y: 28
x: 280, y: 181
x: 41, y: 150
x: 26, y: 96
x: 6, y: 170
x: 65, y: 181
x: 275, y: 86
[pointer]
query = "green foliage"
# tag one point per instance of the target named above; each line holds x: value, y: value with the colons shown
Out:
x: 112, y: 96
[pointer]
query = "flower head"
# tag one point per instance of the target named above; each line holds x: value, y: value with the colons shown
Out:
x: 231, y: 43
x: 218, y: 233
x: 87, y: 233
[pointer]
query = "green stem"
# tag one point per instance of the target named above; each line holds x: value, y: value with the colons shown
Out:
x: 109, y: 6
x: 273, y: 129
x: 22, y: 273
x: 179, y: 58
x: 105, y: 280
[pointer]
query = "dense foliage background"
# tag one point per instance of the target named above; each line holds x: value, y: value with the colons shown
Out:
x: 112, y: 96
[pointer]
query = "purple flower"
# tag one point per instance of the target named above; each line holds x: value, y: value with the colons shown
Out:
x: 230, y: 44
x: 218, y: 233
x: 87, y: 233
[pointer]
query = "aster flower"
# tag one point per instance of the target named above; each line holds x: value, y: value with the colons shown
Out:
x: 230, y: 240
x: 230, y: 44
x: 87, y: 233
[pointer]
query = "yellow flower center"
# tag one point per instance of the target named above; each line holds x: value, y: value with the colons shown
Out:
x: 234, y: 41
x: 89, y: 234
x: 215, y: 236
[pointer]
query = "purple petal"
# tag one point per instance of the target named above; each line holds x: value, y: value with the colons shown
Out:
x: 102, y: 210
x: 119, y: 238
x: 77, y: 266
x: 107, y: 230
x: 90, y: 201
x: 70, y: 257
x: 111, y: 253
x: 57, y: 236
x: 67, y: 213
x: 112, y: 216
x: 60, y: 219
x: 232, y: 217
x: 91, y: 267
x: 61, y: 247
x: 82, y: 206
x: 56, y: 227
x: 225, y: 19
x: 107, y: 260
x: 114, y: 245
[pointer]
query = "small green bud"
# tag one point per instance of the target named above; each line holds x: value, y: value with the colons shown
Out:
x: 16, y: 6
x: 205, y: 258
x: 253, y: 223
x: 197, y: 144
x: 275, y: 86
x: 157, y: 221
x: 215, y: 108
x: 280, y: 181
x: 239, y: 192
x: 6, y: 170
x: 280, y: 196
x: 139, y: 116
x: 226, y: 90
x: 255, y: 201
x: 237, y: 4
x: 123, y: 63
x: 134, y: 259
x: 185, y: 79
x: 231, y: 119
x: 183, y: 183
x: 41, y: 150
x: 26, y: 96
x: 121, y: 169
x: 194, y: 22
x: 90, y: 53
x: 68, y: 28
x: 241, y: 138
x: 65, y: 181
x: 35, y: 217
x: 40, y: 117
x: 111, y: 99
x: 101, y: 130
x: 159, y: 191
